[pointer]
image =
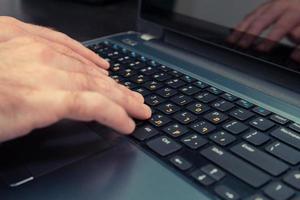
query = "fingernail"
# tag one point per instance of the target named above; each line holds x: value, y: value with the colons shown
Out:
x: 131, y: 126
x: 148, y: 111
x: 106, y: 63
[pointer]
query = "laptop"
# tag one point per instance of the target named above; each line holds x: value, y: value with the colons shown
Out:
x: 225, y: 123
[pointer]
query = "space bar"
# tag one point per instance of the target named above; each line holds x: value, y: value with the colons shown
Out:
x: 236, y: 166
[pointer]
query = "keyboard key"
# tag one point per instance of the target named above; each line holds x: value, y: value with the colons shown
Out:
x: 200, y: 84
x: 162, y: 76
x: 175, y: 73
x: 293, y: 179
x: 202, y: 178
x: 206, y: 97
x: 142, y: 58
x: 203, y: 127
x: 188, y: 79
x: 153, y: 85
x: 241, y: 114
x: 175, y: 83
x: 198, y: 108
x: 142, y: 91
x: 139, y: 79
x: 226, y: 193
x: 214, y: 90
x: 244, y: 104
x: 154, y: 100
x: 164, y: 68
x: 181, y: 100
x: 216, y: 117
x: 168, y: 108
x: 229, y: 97
x: 145, y: 132
x: 126, y: 72
x: 295, y: 127
x: 117, y: 78
x: 287, y: 136
x: 149, y: 70
x: 159, y: 120
x: 152, y: 63
x: 223, y: 105
x: 236, y: 166
x: 260, y: 159
x: 116, y: 67
x: 258, y: 197
x: 189, y: 90
x: 175, y: 130
x: 256, y: 138
x: 137, y: 65
x: 129, y: 85
x: 222, y: 138
x: 284, y: 152
x: 180, y: 163
x: 262, y: 124
x: 278, y: 191
x: 166, y: 92
x: 185, y: 117
x: 235, y: 127
x: 194, y: 141
x: 213, y: 172
x: 261, y: 111
x: 163, y: 145
x: 279, y: 119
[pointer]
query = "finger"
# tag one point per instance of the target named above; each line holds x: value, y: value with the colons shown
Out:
x: 245, y: 23
x: 67, y: 41
x: 294, y: 35
x: 265, y: 20
x: 107, y: 87
x: 282, y: 27
x: 82, y: 64
x: 52, y: 106
x: 136, y: 95
x: 68, y: 63
x: 296, y: 55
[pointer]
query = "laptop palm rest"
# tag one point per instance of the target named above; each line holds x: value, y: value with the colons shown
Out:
x: 46, y: 150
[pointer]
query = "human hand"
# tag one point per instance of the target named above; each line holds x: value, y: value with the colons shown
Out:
x: 13, y: 28
x: 44, y: 81
x: 283, y: 16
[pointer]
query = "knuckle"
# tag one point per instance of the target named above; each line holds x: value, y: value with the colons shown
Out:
x: 45, y: 53
x: 26, y: 39
x: 81, y: 82
x: 73, y: 103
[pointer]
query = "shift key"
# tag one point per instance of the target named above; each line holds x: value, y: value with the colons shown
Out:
x: 236, y: 166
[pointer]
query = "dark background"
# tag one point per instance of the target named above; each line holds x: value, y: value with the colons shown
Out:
x: 82, y: 21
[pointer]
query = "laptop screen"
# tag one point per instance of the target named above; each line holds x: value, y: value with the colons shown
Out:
x: 268, y: 30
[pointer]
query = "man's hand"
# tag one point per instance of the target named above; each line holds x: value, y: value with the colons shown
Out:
x: 283, y: 16
x: 46, y: 76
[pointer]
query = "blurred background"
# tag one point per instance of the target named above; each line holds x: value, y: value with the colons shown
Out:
x: 81, y: 19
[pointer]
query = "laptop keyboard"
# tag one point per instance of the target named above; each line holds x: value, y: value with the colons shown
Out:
x: 233, y: 148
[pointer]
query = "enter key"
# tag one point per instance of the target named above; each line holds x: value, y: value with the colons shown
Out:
x: 260, y: 159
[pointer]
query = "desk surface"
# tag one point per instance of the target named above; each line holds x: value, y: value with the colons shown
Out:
x: 80, y: 21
